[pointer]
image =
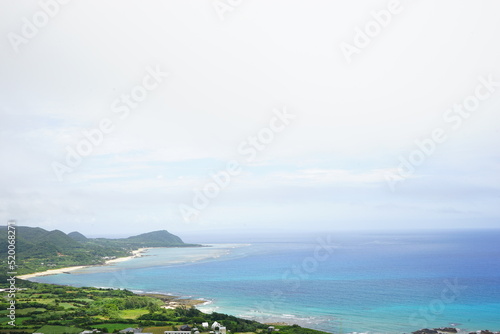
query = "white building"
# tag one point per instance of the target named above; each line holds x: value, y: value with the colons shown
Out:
x: 216, y: 324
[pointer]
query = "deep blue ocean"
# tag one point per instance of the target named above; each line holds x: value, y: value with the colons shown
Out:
x: 363, y: 282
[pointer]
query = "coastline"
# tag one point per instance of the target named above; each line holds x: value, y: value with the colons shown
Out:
x: 171, y: 302
x: 135, y: 253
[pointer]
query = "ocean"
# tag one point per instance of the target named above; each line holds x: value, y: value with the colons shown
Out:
x: 337, y: 282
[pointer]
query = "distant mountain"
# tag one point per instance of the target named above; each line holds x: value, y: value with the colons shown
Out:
x: 26, y: 232
x: 162, y: 237
x: 37, y: 240
x: 77, y: 236
x: 59, y: 239
x: 38, y: 249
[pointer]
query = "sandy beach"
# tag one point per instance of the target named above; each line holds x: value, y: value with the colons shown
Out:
x: 135, y: 253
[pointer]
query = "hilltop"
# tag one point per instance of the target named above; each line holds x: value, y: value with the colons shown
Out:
x: 77, y: 236
x: 156, y: 237
x: 38, y: 249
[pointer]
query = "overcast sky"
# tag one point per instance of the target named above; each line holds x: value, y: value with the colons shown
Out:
x: 312, y: 103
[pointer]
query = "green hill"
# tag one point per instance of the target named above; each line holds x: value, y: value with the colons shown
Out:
x: 59, y: 239
x: 77, y: 236
x: 162, y: 237
x: 26, y: 232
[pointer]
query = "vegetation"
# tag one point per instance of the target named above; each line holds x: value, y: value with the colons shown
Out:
x: 59, y: 330
x: 39, y: 250
x: 56, y: 309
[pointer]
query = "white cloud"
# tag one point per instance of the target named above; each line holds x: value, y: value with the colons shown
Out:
x: 353, y: 121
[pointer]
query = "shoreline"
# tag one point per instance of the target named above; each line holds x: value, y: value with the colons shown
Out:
x: 171, y: 301
x: 135, y: 254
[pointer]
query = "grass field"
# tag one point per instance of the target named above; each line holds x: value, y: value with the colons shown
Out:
x: 29, y: 310
x: 19, y: 320
x: 85, y: 300
x: 67, y: 305
x: 132, y: 314
x: 42, y: 300
x: 113, y: 327
x: 59, y: 330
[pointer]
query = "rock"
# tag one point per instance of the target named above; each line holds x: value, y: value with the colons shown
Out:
x: 426, y: 331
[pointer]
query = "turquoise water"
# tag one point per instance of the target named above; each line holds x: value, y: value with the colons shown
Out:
x: 384, y: 283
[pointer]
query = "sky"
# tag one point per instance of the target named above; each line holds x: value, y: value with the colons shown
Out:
x: 119, y: 117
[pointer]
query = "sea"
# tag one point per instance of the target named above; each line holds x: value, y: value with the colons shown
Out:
x: 377, y: 282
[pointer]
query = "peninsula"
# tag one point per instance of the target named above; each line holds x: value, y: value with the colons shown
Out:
x: 50, y: 252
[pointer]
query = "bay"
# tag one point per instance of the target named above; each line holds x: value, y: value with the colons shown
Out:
x: 336, y: 282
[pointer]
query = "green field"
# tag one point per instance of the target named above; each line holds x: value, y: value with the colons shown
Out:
x: 113, y: 327
x: 132, y: 314
x: 29, y: 310
x: 59, y: 330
